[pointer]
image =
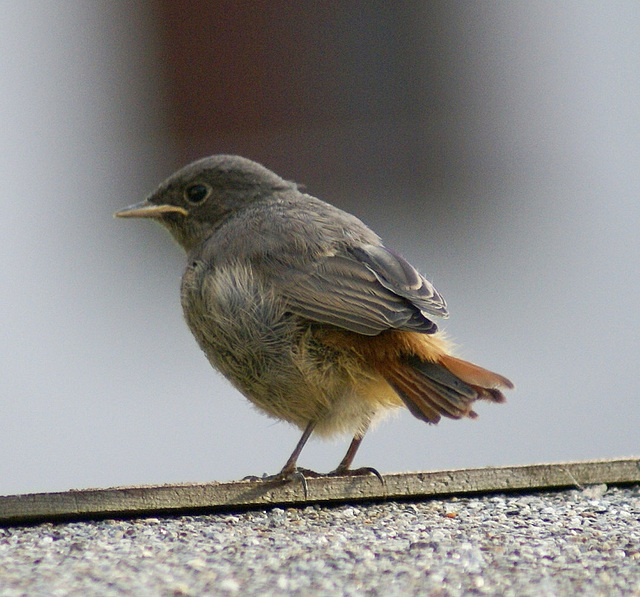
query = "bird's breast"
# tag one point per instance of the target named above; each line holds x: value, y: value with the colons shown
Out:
x: 229, y: 306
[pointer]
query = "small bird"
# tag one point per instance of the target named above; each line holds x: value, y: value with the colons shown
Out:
x: 304, y: 310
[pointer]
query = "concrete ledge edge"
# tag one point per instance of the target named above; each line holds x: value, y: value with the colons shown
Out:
x: 138, y: 501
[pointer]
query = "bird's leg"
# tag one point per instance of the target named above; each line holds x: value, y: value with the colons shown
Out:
x: 346, y: 462
x: 344, y: 468
x: 290, y: 467
x: 290, y: 471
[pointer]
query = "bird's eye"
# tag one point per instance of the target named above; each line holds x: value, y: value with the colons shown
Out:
x: 197, y: 193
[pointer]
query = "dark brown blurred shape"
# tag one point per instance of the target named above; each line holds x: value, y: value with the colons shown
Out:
x: 376, y: 93
x: 256, y: 65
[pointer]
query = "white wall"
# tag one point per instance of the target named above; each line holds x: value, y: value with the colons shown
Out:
x: 101, y: 383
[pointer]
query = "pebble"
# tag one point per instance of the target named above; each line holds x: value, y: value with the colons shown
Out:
x: 552, y: 543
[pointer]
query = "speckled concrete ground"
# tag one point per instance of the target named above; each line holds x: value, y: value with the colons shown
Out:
x: 554, y: 543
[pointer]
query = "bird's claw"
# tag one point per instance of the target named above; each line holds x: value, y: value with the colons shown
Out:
x: 357, y: 472
x: 302, y: 474
x: 284, y: 476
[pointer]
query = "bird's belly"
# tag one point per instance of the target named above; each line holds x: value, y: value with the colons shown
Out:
x: 274, y: 357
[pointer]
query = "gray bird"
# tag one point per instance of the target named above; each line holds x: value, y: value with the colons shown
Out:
x: 304, y: 310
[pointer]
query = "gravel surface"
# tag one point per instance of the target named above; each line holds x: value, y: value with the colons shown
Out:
x: 555, y: 543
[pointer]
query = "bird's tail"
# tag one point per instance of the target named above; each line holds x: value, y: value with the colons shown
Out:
x: 446, y: 387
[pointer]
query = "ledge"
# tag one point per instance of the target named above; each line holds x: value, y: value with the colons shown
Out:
x: 190, y: 498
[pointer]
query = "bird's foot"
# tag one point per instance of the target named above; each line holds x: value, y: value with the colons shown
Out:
x: 357, y: 472
x: 286, y: 475
x: 295, y: 474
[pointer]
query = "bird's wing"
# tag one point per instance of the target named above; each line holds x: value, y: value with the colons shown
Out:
x: 367, y: 290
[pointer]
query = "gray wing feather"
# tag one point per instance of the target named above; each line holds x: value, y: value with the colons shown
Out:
x: 398, y: 275
x: 367, y: 290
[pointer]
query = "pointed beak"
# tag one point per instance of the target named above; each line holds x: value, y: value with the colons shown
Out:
x: 145, y: 209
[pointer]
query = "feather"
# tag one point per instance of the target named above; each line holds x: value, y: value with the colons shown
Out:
x: 429, y: 381
x: 367, y: 292
x: 475, y: 375
x: 420, y: 387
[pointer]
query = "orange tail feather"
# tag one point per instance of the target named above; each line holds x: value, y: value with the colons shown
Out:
x: 446, y: 388
x: 474, y: 375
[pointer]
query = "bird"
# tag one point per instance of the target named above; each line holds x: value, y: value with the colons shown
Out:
x: 304, y: 310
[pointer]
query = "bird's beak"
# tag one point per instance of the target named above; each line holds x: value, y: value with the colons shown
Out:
x: 145, y: 209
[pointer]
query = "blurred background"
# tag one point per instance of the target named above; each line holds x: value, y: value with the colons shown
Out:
x: 495, y: 145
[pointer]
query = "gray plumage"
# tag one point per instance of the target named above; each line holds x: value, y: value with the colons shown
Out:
x: 264, y: 262
x: 282, y: 290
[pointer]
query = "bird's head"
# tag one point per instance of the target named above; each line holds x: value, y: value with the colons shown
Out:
x: 195, y: 200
